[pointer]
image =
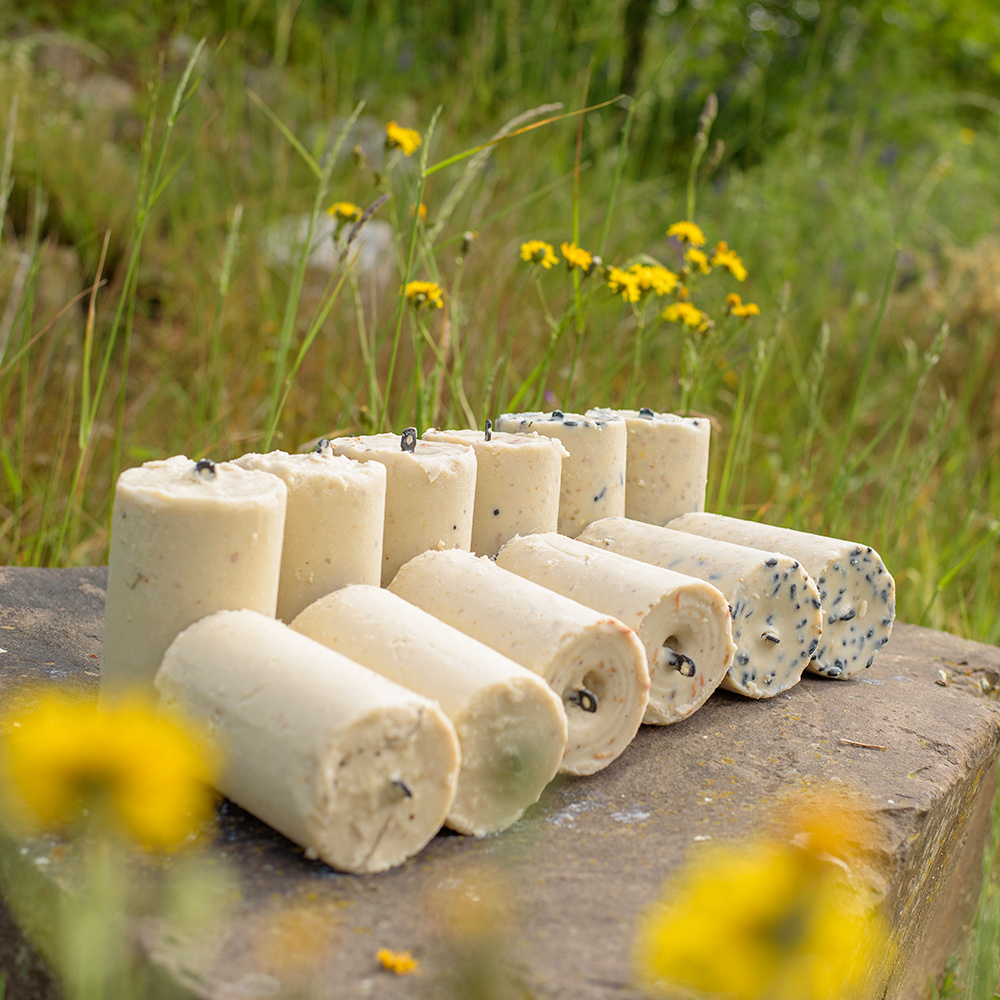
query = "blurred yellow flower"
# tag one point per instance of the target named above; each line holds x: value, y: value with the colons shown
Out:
x: 687, y: 232
x: 654, y: 278
x: 289, y: 938
x: 688, y: 314
x: 404, y: 139
x: 577, y: 257
x: 539, y: 252
x: 400, y: 962
x: 724, y: 257
x: 795, y: 926
x: 344, y: 211
x: 729, y: 376
x: 127, y: 767
x: 471, y: 919
x: 424, y: 293
x: 966, y: 136
x: 698, y: 260
x: 422, y: 210
x: 735, y: 306
x: 625, y: 283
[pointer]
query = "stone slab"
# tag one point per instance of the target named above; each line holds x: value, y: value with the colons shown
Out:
x: 570, y: 878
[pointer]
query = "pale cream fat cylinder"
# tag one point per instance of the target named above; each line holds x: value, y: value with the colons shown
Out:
x: 857, y: 593
x: 774, y: 604
x: 682, y: 622
x: 429, y: 494
x: 510, y: 724
x: 517, y: 484
x: 355, y: 769
x: 593, y: 662
x: 187, y: 538
x: 333, y: 525
x: 666, y: 466
x: 593, y: 475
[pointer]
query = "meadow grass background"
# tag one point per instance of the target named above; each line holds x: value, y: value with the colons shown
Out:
x: 852, y: 165
x: 148, y: 148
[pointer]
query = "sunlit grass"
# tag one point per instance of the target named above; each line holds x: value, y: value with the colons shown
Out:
x: 840, y: 409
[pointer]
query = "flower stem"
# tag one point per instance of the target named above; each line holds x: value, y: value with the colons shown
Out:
x: 411, y: 251
x: 640, y: 334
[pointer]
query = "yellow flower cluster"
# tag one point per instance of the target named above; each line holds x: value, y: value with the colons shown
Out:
x: 424, y: 293
x: 654, y: 278
x: 688, y: 314
x: 406, y: 140
x: 133, y: 771
x: 687, y: 232
x: 639, y: 279
x: 539, y: 252
x: 724, y: 257
x: 735, y: 306
x: 577, y: 257
x: 795, y: 927
x: 625, y: 284
x: 344, y: 211
x: 697, y: 261
x: 635, y: 282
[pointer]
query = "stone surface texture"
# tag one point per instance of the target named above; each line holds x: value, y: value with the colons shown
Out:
x: 561, y: 890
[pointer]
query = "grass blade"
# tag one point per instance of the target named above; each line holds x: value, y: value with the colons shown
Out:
x: 298, y: 280
x: 7, y: 167
x: 288, y: 134
x: 458, y: 157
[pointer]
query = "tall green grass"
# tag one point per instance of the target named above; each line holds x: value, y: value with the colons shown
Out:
x: 844, y: 408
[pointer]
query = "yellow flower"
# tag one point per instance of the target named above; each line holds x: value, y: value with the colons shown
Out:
x: 688, y: 314
x: 138, y: 772
x: 344, y: 211
x: 687, y: 232
x: 421, y: 293
x: 625, y: 283
x: 423, y: 212
x: 539, y: 252
x: 654, y: 278
x: 795, y: 927
x: 577, y: 257
x: 724, y: 257
x: 404, y: 139
x: 698, y: 260
x: 400, y: 962
x: 735, y: 306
